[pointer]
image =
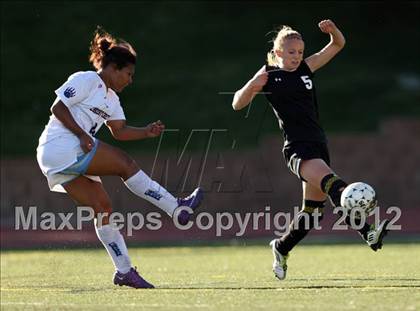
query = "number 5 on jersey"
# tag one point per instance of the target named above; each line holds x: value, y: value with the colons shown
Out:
x: 307, y: 81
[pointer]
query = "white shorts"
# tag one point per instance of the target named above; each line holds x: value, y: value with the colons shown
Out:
x: 61, y: 160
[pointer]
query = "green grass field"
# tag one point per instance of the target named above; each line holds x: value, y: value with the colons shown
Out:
x: 330, y: 277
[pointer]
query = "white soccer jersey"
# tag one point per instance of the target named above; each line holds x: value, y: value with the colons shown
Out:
x: 90, y: 103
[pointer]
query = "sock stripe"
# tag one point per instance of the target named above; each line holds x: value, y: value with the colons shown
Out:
x: 310, y: 210
x: 309, y: 206
x: 330, y: 182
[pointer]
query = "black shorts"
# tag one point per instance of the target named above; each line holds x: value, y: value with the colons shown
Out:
x: 294, y: 153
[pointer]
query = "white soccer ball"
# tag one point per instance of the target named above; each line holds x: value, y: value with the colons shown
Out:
x: 360, y: 196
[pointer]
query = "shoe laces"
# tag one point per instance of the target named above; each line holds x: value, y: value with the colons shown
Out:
x: 134, y: 275
x: 371, y: 235
x: 281, y: 259
x: 284, y: 261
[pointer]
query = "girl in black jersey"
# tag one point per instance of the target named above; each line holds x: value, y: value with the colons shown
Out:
x: 287, y: 80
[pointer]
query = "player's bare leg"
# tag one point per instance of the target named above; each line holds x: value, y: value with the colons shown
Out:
x: 110, y: 160
x: 87, y: 192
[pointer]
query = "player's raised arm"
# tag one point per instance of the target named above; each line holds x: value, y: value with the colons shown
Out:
x: 245, y: 95
x: 337, y: 42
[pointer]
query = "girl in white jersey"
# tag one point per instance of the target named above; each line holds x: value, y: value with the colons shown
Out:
x: 72, y: 159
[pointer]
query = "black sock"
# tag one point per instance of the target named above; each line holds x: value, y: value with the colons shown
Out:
x: 305, y: 222
x: 333, y: 185
x: 363, y: 231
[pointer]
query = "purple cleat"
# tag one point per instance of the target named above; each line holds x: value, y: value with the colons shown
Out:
x: 193, y: 201
x: 132, y: 279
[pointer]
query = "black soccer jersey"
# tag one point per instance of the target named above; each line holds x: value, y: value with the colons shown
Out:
x: 293, y: 98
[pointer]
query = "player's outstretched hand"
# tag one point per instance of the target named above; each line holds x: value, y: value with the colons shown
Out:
x: 155, y: 129
x: 327, y: 26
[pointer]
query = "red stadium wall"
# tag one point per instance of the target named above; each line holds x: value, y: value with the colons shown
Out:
x: 235, y: 182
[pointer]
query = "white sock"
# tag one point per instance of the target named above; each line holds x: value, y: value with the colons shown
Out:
x: 141, y: 185
x: 114, y: 243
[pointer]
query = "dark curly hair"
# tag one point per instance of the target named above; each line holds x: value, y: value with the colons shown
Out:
x: 105, y: 49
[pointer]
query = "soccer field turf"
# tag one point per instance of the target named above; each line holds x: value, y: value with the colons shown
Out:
x: 330, y: 277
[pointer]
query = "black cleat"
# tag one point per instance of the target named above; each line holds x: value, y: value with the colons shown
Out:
x: 376, y: 235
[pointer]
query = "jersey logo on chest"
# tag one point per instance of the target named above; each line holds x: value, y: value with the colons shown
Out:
x: 100, y: 112
x: 306, y: 80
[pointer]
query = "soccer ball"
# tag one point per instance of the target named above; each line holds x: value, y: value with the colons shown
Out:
x: 359, y: 196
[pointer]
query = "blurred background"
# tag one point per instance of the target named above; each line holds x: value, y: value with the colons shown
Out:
x: 192, y: 57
